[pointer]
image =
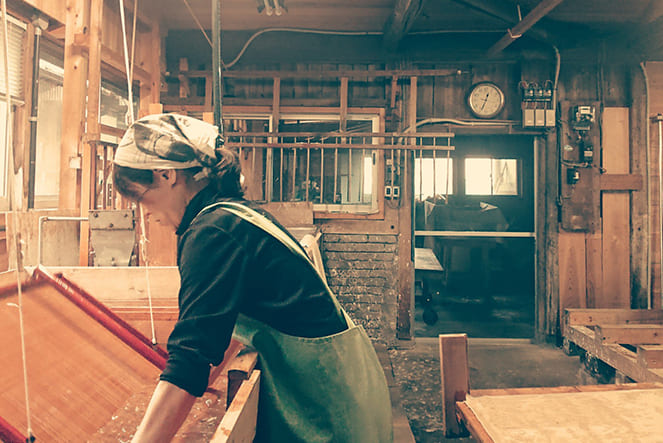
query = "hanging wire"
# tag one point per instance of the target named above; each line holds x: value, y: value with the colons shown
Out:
x: 14, y: 205
x: 143, y: 251
x: 143, y: 237
x: 133, y: 42
x: 126, y: 63
x: 195, y: 19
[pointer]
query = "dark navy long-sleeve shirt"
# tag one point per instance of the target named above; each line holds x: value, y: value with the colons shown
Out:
x: 227, y: 266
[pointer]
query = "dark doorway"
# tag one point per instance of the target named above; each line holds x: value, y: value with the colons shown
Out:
x: 474, y: 238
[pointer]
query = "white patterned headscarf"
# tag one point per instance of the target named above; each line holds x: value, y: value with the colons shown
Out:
x: 169, y: 141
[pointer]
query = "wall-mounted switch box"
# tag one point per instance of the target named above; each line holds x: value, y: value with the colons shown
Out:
x: 550, y: 118
x: 528, y: 118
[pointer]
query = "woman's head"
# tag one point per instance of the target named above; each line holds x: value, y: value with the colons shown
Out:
x: 165, y: 159
x: 171, y: 141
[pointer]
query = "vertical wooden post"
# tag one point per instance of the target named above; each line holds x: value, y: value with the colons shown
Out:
x: 24, y: 137
x: 616, y: 212
x: 276, y: 105
x: 73, y: 105
x: 455, y: 379
x: 89, y: 158
x: 640, y: 223
x: 344, y: 104
x: 150, y: 93
x: 405, y: 232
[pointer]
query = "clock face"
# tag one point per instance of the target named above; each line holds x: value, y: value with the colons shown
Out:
x: 485, y: 100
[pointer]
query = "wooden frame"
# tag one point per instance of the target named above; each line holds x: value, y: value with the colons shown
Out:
x: 79, y: 313
x: 602, y: 332
x: 488, y: 416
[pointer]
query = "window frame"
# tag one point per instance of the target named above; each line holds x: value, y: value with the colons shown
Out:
x: 372, y: 209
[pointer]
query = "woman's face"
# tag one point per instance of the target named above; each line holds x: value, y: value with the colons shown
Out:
x: 162, y: 202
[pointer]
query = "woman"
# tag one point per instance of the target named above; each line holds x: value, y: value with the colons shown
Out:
x: 243, y: 276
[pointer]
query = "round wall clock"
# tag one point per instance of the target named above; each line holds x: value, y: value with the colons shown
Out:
x: 485, y: 99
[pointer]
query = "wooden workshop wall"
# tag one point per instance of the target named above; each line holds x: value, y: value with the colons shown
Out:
x: 90, y: 33
x: 607, y: 267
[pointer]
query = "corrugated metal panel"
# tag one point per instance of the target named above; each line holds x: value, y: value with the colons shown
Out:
x: 16, y: 48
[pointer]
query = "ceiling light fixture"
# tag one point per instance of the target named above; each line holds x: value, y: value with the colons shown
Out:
x: 272, y: 7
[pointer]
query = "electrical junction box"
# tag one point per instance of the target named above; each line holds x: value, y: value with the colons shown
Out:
x: 579, y: 140
x: 538, y: 104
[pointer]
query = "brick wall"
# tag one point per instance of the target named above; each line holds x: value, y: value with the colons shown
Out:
x: 362, y: 270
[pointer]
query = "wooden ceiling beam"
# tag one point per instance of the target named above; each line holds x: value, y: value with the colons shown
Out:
x: 536, y: 14
x: 500, y: 12
x: 400, y: 21
x: 653, y: 12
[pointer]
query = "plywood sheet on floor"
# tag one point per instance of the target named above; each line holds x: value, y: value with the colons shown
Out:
x: 616, y: 416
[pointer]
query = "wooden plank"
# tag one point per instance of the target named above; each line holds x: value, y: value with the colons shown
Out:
x: 612, y: 354
x: 53, y: 8
x: 524, y: 391
x: 73, y: 105
x: 536, y: 14
x: 239, y: 422
x: 454, y: 373
x: 126, y: 287
x: 629, y: 334
x: 472, y: 423
x: 592, y: 317
x: 650, y: 356
x: 239, y: 370
x: 640, y: 201
x: 405, y: 250
x: 572, y: 271
x: 291, y: 213
x: 88, y: 170
x: 594, y: 267
x: 620, y: 182
x: 655, y: 74
x: 328, y: 72
x: 616, y: 214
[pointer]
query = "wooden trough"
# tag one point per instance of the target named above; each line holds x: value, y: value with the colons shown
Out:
x: 91, y: 371
x: 631, y: 412
x: 628, y: 340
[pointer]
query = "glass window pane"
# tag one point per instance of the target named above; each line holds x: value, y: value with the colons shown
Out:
x: 505, y: 177
x: 433, y: 177
x: 491, y: 176
x: 478, y: 176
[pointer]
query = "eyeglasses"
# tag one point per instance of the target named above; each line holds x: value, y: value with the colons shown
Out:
x: 142, y: 195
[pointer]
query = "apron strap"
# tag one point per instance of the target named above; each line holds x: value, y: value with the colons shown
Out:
x: 262, y: 222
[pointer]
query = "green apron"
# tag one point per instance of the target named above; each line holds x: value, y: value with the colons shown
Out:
x: 326, y: 389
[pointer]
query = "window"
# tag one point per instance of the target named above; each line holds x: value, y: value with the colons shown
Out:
x: 49, y: 130
x: 310, y: 167
x: 491, y: 176
x: 114, y: 108
x: 16, y: 35
x: 433, y: 176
